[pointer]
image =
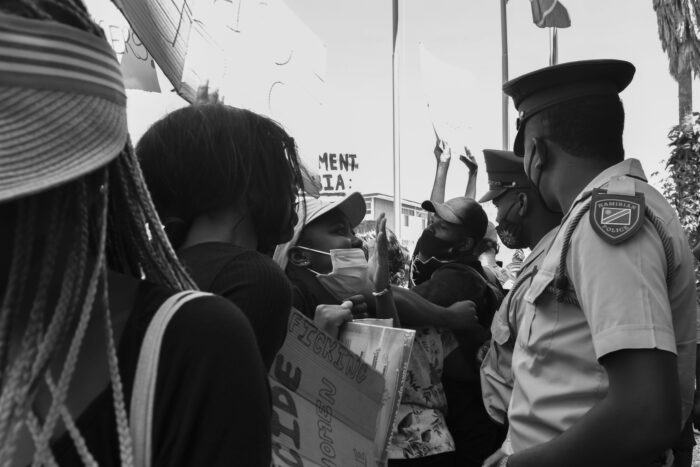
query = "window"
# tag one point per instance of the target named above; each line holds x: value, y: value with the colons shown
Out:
x: 405, y: 220
x: 368, y: 207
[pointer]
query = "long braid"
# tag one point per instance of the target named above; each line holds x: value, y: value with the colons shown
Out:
x: 79, y: 333
x: 13, y: 372
x: 158, y: 259
x: 140, y: 247
x: 19, y: 270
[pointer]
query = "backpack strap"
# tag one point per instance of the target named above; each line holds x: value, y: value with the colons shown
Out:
x: 144, y: 389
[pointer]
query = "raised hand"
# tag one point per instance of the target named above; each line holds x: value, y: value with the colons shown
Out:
x: 442, y: 150
x: 204, y: 97
x: 469, y: 160
x: 379, y: 261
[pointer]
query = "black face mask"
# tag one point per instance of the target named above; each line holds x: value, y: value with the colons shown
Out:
x: 511, y: 233
x: 431, y: 246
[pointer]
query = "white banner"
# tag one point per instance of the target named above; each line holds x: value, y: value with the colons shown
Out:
x: 447, y: 91
x: 258, y: 55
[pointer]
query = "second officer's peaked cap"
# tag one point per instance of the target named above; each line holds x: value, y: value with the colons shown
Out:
x: 505, y: 171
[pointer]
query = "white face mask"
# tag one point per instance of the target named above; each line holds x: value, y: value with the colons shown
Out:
x: 350, y: 274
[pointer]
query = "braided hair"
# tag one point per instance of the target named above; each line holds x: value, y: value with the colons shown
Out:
x: 68, y: 237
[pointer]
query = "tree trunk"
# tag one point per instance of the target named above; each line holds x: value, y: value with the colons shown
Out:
x: 685, y: 94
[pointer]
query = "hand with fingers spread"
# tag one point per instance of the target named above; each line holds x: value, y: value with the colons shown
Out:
x: 442, y: 151
x: 469, y: 160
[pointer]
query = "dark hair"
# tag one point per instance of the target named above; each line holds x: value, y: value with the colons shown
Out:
x: 204, y: 157
x: 588, y: 127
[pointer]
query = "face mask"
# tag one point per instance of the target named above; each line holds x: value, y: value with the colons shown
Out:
x: 511, y: 233
x: 421, y: 271
x: 350, y: 274
x: 431, y: 246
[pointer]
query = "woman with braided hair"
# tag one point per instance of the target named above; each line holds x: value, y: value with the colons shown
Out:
x: 224, y: 180
x: 78, y: 236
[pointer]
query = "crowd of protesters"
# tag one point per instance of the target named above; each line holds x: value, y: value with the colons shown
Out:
x: 145, y: 292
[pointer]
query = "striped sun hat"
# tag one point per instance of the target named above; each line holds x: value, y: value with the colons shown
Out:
x: 62, y: 105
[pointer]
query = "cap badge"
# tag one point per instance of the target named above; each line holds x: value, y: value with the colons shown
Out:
x: 615, y: 217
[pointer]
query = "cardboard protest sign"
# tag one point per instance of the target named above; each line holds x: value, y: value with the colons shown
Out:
x: 388, y: 351
x: 137, y: 65
x: 326, y: 401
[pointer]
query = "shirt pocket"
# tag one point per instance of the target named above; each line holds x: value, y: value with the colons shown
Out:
x: 539, y: 317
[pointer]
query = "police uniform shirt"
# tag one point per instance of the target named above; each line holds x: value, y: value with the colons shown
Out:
x: 496, y: 374
x: 625, y: 303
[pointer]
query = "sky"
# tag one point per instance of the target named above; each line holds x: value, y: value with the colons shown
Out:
x: 462, y: 81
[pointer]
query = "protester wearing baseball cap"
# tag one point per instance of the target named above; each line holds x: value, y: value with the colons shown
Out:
x: 86, y: 270
x: 446, y: 270
x: 610, y: 314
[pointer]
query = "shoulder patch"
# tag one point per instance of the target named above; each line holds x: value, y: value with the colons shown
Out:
x: 614, y: 217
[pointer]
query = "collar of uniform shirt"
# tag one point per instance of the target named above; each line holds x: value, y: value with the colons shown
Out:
x: 631, y: 167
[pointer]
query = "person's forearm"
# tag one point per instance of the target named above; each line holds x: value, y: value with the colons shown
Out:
x: 386, y: 308
x: 438, y: 193
x: 471, y: 184
x: 604, y: 438
x: 414, y: 310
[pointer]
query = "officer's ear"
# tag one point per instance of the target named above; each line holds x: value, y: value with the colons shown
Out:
x: 540, y: 149
x: 298, y: 257
x: 522, y: 200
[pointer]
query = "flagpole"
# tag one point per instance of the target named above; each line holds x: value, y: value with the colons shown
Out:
x: 504, y: 75
x: 553, y: 47
x: 395, y: 121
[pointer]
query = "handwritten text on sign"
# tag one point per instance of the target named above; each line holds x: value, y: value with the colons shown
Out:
x: 336, y: 172
x: 325, y: 400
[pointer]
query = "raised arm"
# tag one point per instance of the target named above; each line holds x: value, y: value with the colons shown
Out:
x: 379, y: 274
x: 443, y: 154
x: 469, y: 160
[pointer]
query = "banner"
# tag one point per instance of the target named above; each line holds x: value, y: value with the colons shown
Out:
x: 450, y: 97
x: 258, y: 55
x: 326, y: 401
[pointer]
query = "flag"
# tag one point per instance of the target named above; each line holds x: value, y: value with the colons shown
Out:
x: 549, y: 14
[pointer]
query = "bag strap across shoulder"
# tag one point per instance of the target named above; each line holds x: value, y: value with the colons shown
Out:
x: 144, y: 390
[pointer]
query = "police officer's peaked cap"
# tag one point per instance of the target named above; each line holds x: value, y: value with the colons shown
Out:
x: 505, y: 171
x: 540, y: 89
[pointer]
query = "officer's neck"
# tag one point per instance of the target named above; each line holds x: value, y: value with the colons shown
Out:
x: 568, y: 187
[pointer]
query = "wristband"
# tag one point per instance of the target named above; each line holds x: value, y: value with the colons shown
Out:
x: 383, y: 292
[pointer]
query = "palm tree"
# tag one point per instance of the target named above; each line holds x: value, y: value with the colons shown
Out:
x: 679, y: 32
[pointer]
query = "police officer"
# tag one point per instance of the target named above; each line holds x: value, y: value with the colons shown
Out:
x: 523, y: 222
x: 604, y: 358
